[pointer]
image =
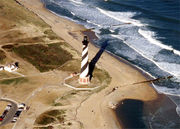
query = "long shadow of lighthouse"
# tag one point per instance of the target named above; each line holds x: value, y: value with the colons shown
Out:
x: 96, y: 58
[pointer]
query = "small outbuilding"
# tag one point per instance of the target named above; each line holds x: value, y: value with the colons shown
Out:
x: 11, y: 67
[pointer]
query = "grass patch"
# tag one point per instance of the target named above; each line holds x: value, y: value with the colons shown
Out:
x: 44, y: 120
x: 55, y: 113
x: 44, y: 58
x: 14, y: 12
x: 49, y: 127
x: 51, y: 35
x: 69, y: 94
x: 2, y: 55
x: 72, y: 66
x: 47, y: 117
x: 13, y: 34
x: 57, y: 104
x: 31, y: 40
x: 14, y: 81
x: 59, y: 114
x: 60, y: 119
x: 102, y: 76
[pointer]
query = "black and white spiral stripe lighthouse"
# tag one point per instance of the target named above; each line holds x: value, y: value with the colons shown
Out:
x: 84, y: 77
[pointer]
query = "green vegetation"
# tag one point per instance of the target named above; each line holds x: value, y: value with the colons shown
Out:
x: 44, y: 58
x: 14, y: 81
x: 69, y: 94
x: 14, y: 12
x: 44, y: 120
x: 2, y: 55
x: 48, y: 117
x: 50, y: 34
x: 31, y: 40
x: 49, y: 127
x: 72, y: 66
x: 55, y: 112
x: 60, y: 119
x: 57, y: 104
x: 102, y: 76
x: 13, y: 34
x: 16, y: 36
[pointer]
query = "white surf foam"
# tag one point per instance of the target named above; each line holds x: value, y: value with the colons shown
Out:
x: 116, y: 36
x: 124, y: 17
x: 73, y: 13
x: 88, y: 21
x: 176, y: 52
x: 178, y: 110
x: 79, y: 2
x: 165, y: 90
x: 171, y: 67
x: 149, y: 35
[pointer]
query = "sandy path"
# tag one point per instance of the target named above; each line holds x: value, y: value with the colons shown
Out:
x: 95, y: 111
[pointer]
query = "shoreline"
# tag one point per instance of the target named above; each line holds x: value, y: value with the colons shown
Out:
x: 145, y: 74
x: 69, y: 26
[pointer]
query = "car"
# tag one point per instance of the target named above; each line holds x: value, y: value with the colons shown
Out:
x: 8, y: 107
x: 21, y: 107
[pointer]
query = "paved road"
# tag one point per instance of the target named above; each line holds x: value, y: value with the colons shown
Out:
x: 11, y: 112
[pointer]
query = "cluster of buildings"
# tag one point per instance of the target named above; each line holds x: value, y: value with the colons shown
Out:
x: 10, y: 67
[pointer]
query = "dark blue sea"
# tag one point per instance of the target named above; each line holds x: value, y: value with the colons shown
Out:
x: 150, y: 40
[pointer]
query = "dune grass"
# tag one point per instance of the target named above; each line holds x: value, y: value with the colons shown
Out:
x: 13, y: 11
x: 50, y: 34
x: 49, y: 117
x: 44, y: 58
x: 44, y: 120
x: 14, y: 81
x: 2, y: 56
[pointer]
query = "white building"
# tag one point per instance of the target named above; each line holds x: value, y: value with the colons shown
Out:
x: 11, y: 67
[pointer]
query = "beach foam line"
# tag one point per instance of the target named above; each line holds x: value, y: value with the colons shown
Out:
x: 149, y: 36
x: 73, y: 14
x: 159, y: 90
x: 131, y: 64
x: 124, y: 17
x: 116, y: 36
x: 77, y: 2
x: 88, y: 21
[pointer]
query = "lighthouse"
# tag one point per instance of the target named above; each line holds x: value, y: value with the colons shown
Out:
x: 84, y: 77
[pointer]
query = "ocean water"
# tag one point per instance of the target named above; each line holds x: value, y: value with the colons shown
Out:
x: 144, y: 32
